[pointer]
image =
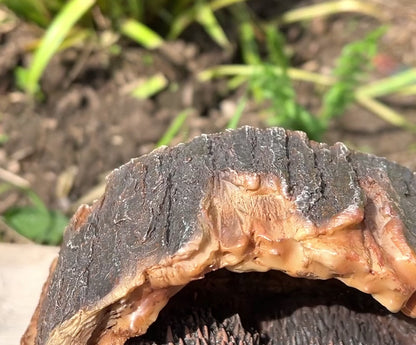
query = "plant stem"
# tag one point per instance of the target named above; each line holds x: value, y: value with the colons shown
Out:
x: 388, y: 85
x: 329, y: 8
x: 385, y: 112
x: 218, y: 4
x: 174, y: 128
x: 234, y: 121
x: 407, y: 90
x: 250, y: 70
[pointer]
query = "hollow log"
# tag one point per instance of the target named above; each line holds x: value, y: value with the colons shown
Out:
x: 244, y: 200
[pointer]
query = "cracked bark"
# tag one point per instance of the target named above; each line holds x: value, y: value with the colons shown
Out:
x: 151, y: 211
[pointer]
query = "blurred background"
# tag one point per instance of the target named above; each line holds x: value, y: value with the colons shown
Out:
x: 85, y: 85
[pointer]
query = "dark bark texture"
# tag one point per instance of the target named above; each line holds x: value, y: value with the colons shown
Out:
x: 150, y: 207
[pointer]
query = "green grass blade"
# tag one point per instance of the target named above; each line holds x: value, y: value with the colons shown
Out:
x: 186, y: 17
x: 236, y: 82
x: 174, y: 128
x: 141, y: 34
x: 247, y: 37
x: 249, y: 48
x: 389, y: 85
x: 407, y: 90
x: 33, y: 10
x: 386, y: 113
x: 136, y: 9
x: 113, y: 10
x: 250, y: 70
x: 181, y: 23
x: 206, y: 18
x: 235, y: 119
x: 76, y: 37
x: 275, y: 43
x: 179, y: 6
x: 218, y: 4
x: 150, y: 87
x: 50, y: 43
x: 330, y: 8
x: 227, y: 71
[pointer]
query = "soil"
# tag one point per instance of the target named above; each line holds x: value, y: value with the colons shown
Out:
x: 88, y: 123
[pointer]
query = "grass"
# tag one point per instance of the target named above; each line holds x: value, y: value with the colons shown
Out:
x: 246, y: 71
x: 271, y: 77
x: 141, y: 34
x: 59, y: 28
x: 130, y: 19
x: 393, y: 84
x: 329, y: 8
x: 150, y: 86
x: 265, y: 70
x: 350, y: 73
x: 235, y: 119
x: 174, y: 128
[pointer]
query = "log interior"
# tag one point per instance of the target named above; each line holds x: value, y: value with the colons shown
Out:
x: 274, y: 309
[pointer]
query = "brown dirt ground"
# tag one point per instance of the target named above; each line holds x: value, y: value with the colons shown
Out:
x: 88, y: 124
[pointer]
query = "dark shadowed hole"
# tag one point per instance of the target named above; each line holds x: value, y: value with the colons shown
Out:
x: 273, y: 308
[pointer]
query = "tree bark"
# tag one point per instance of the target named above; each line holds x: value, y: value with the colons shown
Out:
x: 159, y: 208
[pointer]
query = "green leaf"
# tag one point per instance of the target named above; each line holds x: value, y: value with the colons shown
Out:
x: 56, y: 228
x: 33, y: 10
x: 37, y: 224
x: 181, y: 22
x: 206, y: 18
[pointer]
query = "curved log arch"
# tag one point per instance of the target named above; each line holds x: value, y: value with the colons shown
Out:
x: 245, y: 200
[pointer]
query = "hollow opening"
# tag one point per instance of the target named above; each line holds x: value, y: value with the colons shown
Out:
x: 274, y: 309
